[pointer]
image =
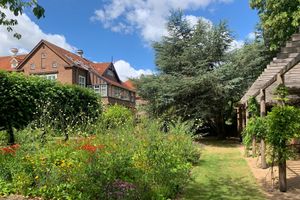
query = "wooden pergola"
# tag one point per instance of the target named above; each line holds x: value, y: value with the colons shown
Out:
x: 284, y: 69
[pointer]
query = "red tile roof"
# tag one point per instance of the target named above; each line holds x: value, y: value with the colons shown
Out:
x: 75, y: 60
x: 129, y: 84
x: 101, y: 67
x: 121, y: 85
x: 5, y: 62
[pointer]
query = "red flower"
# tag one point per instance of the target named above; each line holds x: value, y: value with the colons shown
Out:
x: 91, y: 148
x: 10, y: 149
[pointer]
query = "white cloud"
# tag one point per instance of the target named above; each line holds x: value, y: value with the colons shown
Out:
x: 147, y: 16
x: 251, y: 36
x: 236, y: 44
x: 193, y: 20
x: 125, y: 70
x: 31, y: 35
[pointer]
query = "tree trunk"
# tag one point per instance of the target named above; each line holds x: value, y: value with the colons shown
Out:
x: 254, y: 146
x: 282, y: 173
x: 221, y: 128
x: 11, y: 137
x: 263, y: 154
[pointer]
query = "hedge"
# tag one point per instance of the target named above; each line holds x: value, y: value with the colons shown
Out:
x: 27, y: 98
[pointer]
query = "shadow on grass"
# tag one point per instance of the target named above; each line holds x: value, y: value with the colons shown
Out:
x: 223, y: 189
x: 212, y: 141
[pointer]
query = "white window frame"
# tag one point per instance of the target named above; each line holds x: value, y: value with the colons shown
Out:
x: 97, y: 89
x: 51, y: 77
x: 103, y: 90
x: 81, y: 81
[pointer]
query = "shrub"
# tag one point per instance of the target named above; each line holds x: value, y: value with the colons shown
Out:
x: 117, y: 116
x: 258, y: 127
x: 24, y: 99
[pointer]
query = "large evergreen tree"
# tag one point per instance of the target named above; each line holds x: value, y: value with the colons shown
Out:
x: 198, y: 77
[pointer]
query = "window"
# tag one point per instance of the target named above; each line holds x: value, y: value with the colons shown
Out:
x: 54, y: 64
x: 49, y: 76
x: 101, y: 90
x: 104, y: 90
x: 82, y: 81
x: 117, y: 92
x: 32, y: 66
x: 97, y: 89
x: 110, y: 73
x: 132, y: 97
x: 14, y: 64
x: 43, y: 56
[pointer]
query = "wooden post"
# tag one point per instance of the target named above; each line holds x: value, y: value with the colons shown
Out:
x: 243, y: 117
x: 243, y: 124
x: 262, y: 142
x: 254, y: 138
x: 282, y: 174
x: 282, y: 161
x: 247, y: 113
x: 239, y: 123
x: 280, y: 79
x: 238, y: 119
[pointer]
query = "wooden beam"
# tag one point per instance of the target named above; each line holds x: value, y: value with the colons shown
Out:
x: 262, y: 141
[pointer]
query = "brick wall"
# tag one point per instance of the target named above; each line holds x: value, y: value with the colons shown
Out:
x: 50, y: 64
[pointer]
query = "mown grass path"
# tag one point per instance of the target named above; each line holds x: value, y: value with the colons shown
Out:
x: 222, y: 174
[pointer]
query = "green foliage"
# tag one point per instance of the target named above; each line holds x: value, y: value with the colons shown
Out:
x: 199, y: 78
x: 139, y: 164
x: 253, y: 107
x: 283, y: 124
x: 26, y: 99
x: 17, y: 7
x: 257, y: 126
x: 282, y: 93
x: 279, y: 20
x: 117, y: 116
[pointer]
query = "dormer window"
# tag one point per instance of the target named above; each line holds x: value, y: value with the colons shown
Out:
x: 110, y: 73
x: 14, y: 63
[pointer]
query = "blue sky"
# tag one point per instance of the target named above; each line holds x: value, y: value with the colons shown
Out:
x: 124, y: 29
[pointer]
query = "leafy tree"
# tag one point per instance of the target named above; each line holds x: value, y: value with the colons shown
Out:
x: 279, y: 20
x: 199, y: 78
x: 17, y: 7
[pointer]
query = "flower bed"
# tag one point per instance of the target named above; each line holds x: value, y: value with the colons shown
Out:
x: 142, y: 163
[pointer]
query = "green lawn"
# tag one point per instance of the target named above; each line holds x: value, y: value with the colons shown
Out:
x: 222, y: 174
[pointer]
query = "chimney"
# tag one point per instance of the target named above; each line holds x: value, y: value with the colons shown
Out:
x: 14, y: 51
x: 14, y: 62
x: 80, y: 52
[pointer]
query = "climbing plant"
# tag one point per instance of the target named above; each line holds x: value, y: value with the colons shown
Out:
x: 284, y: 124
x: 253, y: 107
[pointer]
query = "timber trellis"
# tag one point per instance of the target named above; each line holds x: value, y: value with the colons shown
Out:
x: 284, y: 69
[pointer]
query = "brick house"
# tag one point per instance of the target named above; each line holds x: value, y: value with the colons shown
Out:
x: 55, y: 63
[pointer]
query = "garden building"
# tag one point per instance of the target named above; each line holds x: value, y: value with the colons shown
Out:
x: 55, y: 63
